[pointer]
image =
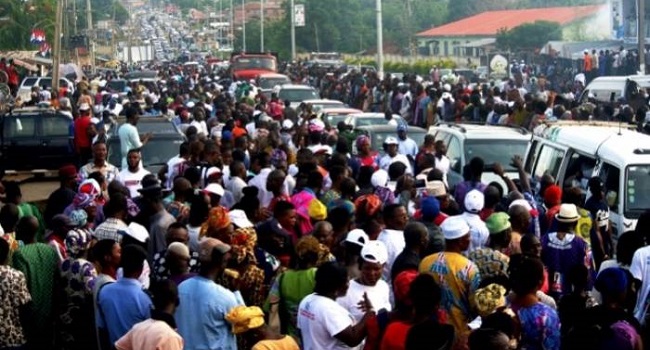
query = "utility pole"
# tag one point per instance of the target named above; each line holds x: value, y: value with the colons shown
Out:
x: 317, y: 38
x: 641, y: 35
x: 56, y: 57
x: 262, y: 25
x: 232, y: 27
x: 380, y: 40
x: 91, y: 36
x: 243, y: 21
x: 293, y: 30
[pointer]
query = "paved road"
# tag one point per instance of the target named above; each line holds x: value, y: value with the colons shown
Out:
x: 34, y: 189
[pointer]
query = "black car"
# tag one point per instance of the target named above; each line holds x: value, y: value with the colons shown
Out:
x: 36, y: 139
x: 163, y: 145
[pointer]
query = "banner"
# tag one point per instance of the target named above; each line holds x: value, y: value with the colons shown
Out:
x: 299, y: 15
x: 37, y: 37
x: 498, y: 66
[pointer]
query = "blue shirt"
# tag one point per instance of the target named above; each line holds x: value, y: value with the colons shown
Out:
x: 201, y: 313
x: 121, y: 305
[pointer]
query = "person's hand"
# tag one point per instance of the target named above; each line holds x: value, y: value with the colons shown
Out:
x: 365, y: 305
x: 498, y: 169
x: 517, y: 161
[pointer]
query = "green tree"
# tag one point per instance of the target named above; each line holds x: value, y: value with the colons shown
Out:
x: 528, y: 36
x: 18, y: 20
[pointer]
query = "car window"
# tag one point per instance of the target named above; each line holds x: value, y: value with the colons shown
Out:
x: 58, y: 126
x: 19, y: 127
x: 28, y: 82
x: 637, y: 185
x: 442, y: 136
x: 549, y: 160
x: 454, y: 154
x: 495, y: 151
x: 159, y: 151
x: 610, y: 175
x: 579, y: 171
x: 297, y: 95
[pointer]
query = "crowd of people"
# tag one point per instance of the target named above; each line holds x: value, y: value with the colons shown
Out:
x: 267, y: 232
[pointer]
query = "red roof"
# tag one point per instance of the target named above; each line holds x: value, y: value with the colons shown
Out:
x: 488, y: 23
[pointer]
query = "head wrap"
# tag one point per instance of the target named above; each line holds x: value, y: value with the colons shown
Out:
x: 278, y: 157
x: 83, y: 200
x: 317, y: 210
x: 244, y: 318
x: 612, y: 281
x: 488, y: 299
x: 76, y: 242
x: 78, y: 217
x: 243, y: 244
x: 402, y: 284
x: 306, y: 245
x: 341, y: 203
x: 361, y: 140
x: 369, y: 204
x: 218, y: 219
x: 91, y: 187
x: 385, y: 194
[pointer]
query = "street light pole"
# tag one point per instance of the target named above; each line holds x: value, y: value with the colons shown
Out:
x: 380, y: 40
x: 262, y: 25
x: 293, y: 30
x: 641, y: 35
x: 91, y: 39
x: 243, y: 21
x: 56, y: 57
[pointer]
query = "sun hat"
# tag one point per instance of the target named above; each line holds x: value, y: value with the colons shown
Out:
x: 498, y: 222
x: 568, y: 213
x: 436, y: 188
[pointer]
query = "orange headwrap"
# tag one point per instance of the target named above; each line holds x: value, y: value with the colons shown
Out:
x: 218, y: 219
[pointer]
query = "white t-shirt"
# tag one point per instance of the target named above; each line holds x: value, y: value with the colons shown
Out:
x: 478, y: 233
x: 319, y: 320
x: 386, y: 161
x: 394, y: 242
x: 378, y: 294
x: 129, y: 139
x: 132, y: 181
x: 640, y: 269
x: 408, y: 147
x: 172, y: 170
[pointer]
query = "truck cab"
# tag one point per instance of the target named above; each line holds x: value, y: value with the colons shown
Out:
x: 247, y: 65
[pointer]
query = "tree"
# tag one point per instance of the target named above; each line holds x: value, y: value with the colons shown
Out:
x: 528, y: 36
x: 19, y: 17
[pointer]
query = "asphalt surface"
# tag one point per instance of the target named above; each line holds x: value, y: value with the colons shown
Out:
x: 34, y: 189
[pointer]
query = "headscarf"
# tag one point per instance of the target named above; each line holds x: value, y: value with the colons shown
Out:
x: 218, y: 219
x: 402, y: 284
x: 78, y: 217
x: 83, y: 200
x: 317, y: 210
x: 76, y: 242
x: 91, y: 187
x: 341, y: 203
x: 244, y: 318
x: 243, y: 244
x: 385, y: 194
x: 488, y: 299
x: 278, y: 157
x: 361, y: 140
x: 369, y: 204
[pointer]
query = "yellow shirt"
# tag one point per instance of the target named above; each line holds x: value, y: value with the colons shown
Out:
x: 286, y: 343
x: 459, y: 278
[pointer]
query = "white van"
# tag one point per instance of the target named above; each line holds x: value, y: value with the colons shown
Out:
x: 611, y: 89
x: 573, y: 152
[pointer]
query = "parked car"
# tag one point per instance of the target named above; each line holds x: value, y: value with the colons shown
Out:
x: 267, y: 81
x: 494, y: 144
x: 379, y: 133
x: 36, y: 139
x: 332, y: 116
x: 367, y: 119
x: 25, y: 89
x: 318, y: 105
x: 296, y: 94
x: 163, y: 145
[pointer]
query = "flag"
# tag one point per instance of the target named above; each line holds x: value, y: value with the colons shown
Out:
x: 37, y: 37
x: 44, y: 49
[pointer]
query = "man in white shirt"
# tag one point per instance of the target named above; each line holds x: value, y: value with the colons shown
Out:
x: 237, y: 180
x: 640, y: 270
x: 407, y: 146
x: 392, y: 156
x: 474, y: 201
x: 129, y: 137
x: 131, y: 177
x: 395, y: 218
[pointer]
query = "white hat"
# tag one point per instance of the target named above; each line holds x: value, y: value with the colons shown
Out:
x: 190, y: 104
x: 84, y: 107
x: 138, y: 232
x: 524, y: 203
x: 568, y: 213
x: 474, y: 201
x: 212, y: 171
x: 179, y: 248
x: 391, y: 141
x: 358, y: 237
x: 287, y: 124
x: 374, y: 252
x: 239, y: 218
x: 436, y: 188
x: 446, y: 87
x: 215, y: 188
x: 379, y: 178
x: 446, y: 95
x: 454, y: 227
x: 125, y: 101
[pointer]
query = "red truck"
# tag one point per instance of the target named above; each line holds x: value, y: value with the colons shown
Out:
x: 248, y: 65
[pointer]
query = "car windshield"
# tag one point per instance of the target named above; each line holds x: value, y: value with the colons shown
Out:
x: 495, y: 151
x: 637, y: 185
x: 266, y: 63
x: 380, y: 120
x: 317, y: 107
x: 270, y: 83
x: 117, y: 85
x: 334, y: 120
x: 297, y: 95
x: 155, y: 152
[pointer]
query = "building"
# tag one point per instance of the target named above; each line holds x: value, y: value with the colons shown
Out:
x: 475, y: 36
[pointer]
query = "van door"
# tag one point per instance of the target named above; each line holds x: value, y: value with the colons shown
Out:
x: 611, y: 176
x: 56, y: 141
x: 548, y: 161
x: 20, y: 144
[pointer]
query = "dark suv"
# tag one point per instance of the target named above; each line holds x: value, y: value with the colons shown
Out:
x: 36, y: 139
x: 163, y: 146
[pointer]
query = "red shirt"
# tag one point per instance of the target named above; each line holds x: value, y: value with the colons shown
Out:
x: 81, y: 138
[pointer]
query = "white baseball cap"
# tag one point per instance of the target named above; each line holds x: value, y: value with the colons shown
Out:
x: 454, y: 227
x: 358, y: 237
x: 84, y: 107
x: 215, y: 188
x: 474, y: 201
x: 287, y: 124
x: 239, y: 218
x: 375, y: 252
x: 391, y: 141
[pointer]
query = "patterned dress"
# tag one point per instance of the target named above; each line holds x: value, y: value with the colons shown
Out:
x: 76, y: 315
x: 13, y: 295
x: 540, y: 327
